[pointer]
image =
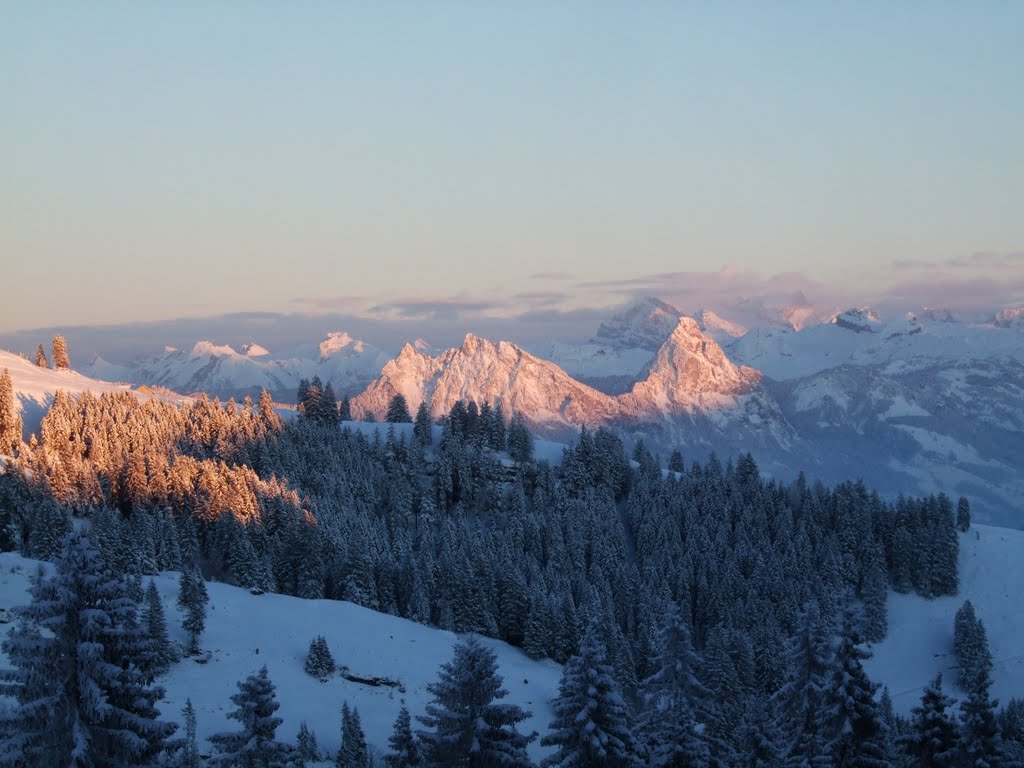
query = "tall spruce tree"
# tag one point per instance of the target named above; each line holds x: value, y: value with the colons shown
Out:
x: 60, y: 353
x: 405, y: 751
x: 963, y: 515
x: 592, y: 722
x: 353, y: 752
x: 254, y: 744
x: 981, y: 744
x: 81, y: 697
x: 801, y: 699
x: 10, y: 421
x: 192, y: 599
x: 422, y: 425
x: 161, y: 652
x: 465, y: 722
x: 673, y: 697
x: 932, y: 739
x: 41, y: 360
x: 398, y: 410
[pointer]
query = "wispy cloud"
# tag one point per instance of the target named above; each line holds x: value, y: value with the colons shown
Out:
x: 552, y: 276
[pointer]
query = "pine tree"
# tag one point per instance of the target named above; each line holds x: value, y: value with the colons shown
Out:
x: 353, y: 752
x: 345, y: 409
x: 592, y: 725
x: 932, y: 739
x: 466, y: 723
x: 520, y: 441
x: 76, y: 651
x: 305, y: 744
x: 192, y: 599
x: 319, y: 661
x: 963, y: 515
x: 60, y: 353
x: 673, y: 696
x: 970, y: 644
x: 852, y: 721
x: 981, y: 744
x: 422, y: 426
x: 41, y: 360
x: 254, y: 744
x: 801, y: 699
x: 10, y: 421
x: 398, y: 410
x: 161, y: 653
x: 184, y: 751
x: 405, y: 751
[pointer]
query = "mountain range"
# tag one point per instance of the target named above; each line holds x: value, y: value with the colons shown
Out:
x: 917, y: 404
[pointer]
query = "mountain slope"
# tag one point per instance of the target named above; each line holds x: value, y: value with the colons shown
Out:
x: 244, y: 632
x: 919, y: 643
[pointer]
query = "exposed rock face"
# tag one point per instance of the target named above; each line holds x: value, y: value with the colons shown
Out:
x: 644, y: 324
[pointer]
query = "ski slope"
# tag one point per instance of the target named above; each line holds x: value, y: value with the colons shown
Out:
x: 920, y: 639
x: 245, y: 631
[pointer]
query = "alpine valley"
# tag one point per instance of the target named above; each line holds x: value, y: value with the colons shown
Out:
x: 920, y: 403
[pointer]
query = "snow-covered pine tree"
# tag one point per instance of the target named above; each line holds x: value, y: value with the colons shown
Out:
x: 405, y: 751
x: 852, y: 721
x: 981, y: 743
x: 319, y: 661
x: 466, y: 724
x: 10, y: 421
x: 345, y: 409
x: 161, y: 653
x: 932, y: 740
x: 255, y: 743
x: 592, y: 720
x: 422, y: 425
x: 183, y: 752
x: 305, y: 744
x: 673, y: 696
x: 60, y: 353
x: 398, y: 410
x: 970, y: 644
x: 353, y: 752
x: 41, y: 360
x: 800, y: 701
x: 81, y: 697
x: 963, y: 515
x: 192, y: 599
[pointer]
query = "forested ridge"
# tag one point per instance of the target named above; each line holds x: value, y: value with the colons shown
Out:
x: 607, y: 556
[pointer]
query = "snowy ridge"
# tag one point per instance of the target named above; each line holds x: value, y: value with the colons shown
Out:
x: 34, y: 388
x: 244, y: 632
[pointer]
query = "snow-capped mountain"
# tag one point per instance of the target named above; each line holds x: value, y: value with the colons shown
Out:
x: 484, y: 372
x: 644, y: 324
x: 348, y: 364
x: 1012, y: 317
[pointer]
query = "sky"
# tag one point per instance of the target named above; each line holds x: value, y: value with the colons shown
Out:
x: 432, y: 162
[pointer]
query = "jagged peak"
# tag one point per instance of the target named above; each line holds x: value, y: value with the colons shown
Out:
x: 1011, y: 317
x: 857, y: 319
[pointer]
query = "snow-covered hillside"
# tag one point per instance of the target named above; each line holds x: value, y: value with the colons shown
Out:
x: 920, y: 639
x: 34, y: 388
x: 244, y: 632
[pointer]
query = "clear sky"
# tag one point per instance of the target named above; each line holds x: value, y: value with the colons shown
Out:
x: 173, y: 159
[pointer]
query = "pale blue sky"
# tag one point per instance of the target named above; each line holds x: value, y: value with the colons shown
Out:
x: 162, y: 160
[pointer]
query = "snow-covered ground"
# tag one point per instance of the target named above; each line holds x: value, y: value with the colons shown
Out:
x: 244, y: 632
x: 920, y: 639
